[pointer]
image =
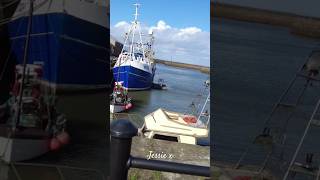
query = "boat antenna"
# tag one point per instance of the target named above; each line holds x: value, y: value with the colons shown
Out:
x: 25, y: 58
x: 136, y: 13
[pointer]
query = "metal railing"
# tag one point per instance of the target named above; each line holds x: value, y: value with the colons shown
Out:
x: 122, y: 132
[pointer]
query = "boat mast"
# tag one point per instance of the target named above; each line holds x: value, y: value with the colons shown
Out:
x: 204, y: 105
x: 131, y: 30
x: 25, y: 58
x: 136, y: 14
x: 137, y: 25
x: 135, y: 22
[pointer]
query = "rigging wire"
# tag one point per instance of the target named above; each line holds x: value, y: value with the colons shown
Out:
x: 198, y: 100
x: 269, y: 118
x: 22, y: 14
x: 9, y: 4
x: 10, y: 53
x: 7, y: 20
x: 25, y: 59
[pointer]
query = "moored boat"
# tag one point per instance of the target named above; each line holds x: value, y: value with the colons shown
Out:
x: 30, y: 125
x: 180, y: 127
x: 119, y: 99
x: 135, y: 66
x: 68, y: 39
x: 167, y: 125
x: 160, y: 85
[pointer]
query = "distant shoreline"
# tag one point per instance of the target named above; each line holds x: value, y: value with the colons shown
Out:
x: 299, y: 25
x: 202, y: 69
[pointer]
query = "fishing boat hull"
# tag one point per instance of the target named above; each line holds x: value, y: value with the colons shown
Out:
x: 135, y: 66
x: 119, y: 108
x: 15, y: 149
x: 133, y: 78
x: 69, y: 39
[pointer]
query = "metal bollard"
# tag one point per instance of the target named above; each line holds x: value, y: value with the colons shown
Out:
x: 122, y: 132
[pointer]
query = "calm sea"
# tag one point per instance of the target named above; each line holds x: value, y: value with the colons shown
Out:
x: 253, y: 65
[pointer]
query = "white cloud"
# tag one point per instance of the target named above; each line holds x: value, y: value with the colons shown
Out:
x: 161, y: 26
x: 189, y: 31
x: 122, y: 24
x: 188, y: 45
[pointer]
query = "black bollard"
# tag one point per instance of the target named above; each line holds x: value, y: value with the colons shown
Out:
x: 122, y: 132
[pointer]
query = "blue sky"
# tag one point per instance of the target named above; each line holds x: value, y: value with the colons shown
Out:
x: 181, y: 27
x: 180, y: 13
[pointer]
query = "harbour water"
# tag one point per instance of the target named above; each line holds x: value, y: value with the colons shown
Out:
x: 88, y: 125
x: 254, y: 64
x: 184, y: 86
x: 88, y: 149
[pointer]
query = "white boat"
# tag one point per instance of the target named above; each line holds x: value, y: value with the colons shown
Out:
x: 119, y: 99
x: 23, y: 145
x: 179, y: 127
x: 30, y: 125
x: 162, y: 124
x: 34, y: 127
x: 116, y: 108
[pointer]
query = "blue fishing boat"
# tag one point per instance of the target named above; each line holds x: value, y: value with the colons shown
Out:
x: 68, y: 39
x: 135, y: 66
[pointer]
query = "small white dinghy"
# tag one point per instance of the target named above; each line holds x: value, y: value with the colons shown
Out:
x: 162, y: 124
x: 119, y: 99
x: 179, y: 127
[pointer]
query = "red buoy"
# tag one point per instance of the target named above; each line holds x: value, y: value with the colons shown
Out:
x: 54, y: 144
x: 128, y: 106
x: 63, y: 138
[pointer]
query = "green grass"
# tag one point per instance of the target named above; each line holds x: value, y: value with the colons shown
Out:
x: 134, y: 176
x: 157, y: 175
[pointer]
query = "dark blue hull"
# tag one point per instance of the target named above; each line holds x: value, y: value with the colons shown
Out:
x: 74, y: 52
x: 133, y: 78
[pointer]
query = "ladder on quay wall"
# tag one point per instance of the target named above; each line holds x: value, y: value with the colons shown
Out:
x: 274, y: 132
x: 307, y: 169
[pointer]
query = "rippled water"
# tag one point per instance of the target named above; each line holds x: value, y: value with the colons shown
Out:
x: 88, y: 125
x: 253, y: 65
x: 184, y: 86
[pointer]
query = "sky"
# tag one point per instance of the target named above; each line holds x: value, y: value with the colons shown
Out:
x: 300, y: 7
x: 181, y: 27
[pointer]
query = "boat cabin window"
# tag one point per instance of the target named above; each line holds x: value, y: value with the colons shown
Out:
x: 138, y: 55
x: 167, y: 138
